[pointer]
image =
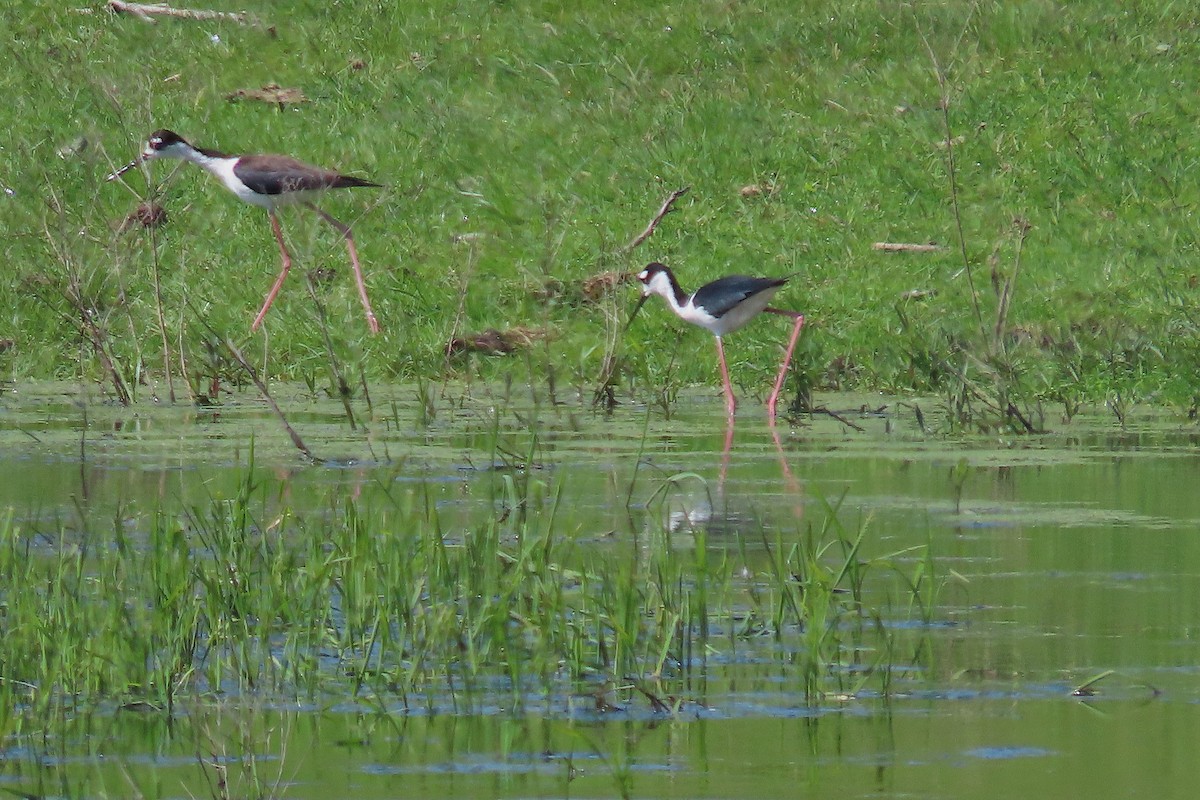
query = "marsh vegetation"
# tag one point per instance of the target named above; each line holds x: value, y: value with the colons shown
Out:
x: 507, y: 547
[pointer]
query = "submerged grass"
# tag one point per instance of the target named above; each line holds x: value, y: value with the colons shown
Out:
x: 245, y: 598
x: 523, y: 145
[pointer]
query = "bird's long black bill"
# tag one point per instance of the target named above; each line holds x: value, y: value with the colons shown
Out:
x: 641, y: 302
x: 124, y: 169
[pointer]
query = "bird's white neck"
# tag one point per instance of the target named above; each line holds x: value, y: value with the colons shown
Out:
x: 210, y: 160
x: 222, y: 168
x: 216, y: 163
x: 665, y: 286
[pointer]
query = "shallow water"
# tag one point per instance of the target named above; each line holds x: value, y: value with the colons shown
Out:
x: 1066, y: 555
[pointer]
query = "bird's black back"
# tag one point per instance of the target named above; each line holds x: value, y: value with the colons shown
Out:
x: 269, y: 174
x: 723, y: 294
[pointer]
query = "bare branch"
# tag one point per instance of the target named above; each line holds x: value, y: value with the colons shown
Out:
x: 1022, y: 227
x: 667, y: 208
x: 837, y: 416
x: 905, y: 247
x: 262, y: 388
x: 146, y: 12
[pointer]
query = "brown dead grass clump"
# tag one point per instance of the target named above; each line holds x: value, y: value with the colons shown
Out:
x: 592, y: 289
x: 495, y: 342
x: 148, y: 214
x: 271, y: 93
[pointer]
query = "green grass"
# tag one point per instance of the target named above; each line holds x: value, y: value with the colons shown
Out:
x: 380, y: 605
x: 527, y: 142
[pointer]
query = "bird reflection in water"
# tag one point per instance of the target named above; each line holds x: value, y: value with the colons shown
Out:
x: 693, y: 504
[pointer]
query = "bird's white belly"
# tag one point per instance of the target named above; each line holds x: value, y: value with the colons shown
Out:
x: 223, y: 171
x: 732, y: 319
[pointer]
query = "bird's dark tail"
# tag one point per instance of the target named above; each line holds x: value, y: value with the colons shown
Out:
x: 349, y: 182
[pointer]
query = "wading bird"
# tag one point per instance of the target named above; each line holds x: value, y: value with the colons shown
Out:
x: 268, y: 181
x: 722, y: 307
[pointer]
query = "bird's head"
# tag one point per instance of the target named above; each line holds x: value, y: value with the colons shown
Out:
x: 655, y: 279
x: 161, y: 144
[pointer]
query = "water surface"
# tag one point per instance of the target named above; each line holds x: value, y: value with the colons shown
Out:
x: 1058, y: 558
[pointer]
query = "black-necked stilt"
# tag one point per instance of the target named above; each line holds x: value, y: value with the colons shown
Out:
x: 268, y: 181
x: 722, y: 307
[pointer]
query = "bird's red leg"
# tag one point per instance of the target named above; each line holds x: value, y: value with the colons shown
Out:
x: 287, y: 265
x: 730, y: 400
x: 725, y: 453
x: 358, y: 274
x: 787, y: 358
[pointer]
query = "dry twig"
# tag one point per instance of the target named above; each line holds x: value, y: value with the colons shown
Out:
x: 146, y: 12
x: 905, y: 247
x: 827, y: 412
x: 262, y: 388
x: 667, y: 208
